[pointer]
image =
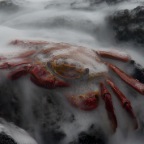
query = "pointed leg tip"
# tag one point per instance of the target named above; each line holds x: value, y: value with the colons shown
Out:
x: 136, y: 126
x: 114, y: 129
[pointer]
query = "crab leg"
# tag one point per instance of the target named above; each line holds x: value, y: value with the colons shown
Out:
x: 12, y: 63
x: 134, y: 83
x: 124, y: 101
x: 114, y: 55
x: 27, y: 43
x: 108, y: 105
x: 21, y: 55
x: 26, y: 54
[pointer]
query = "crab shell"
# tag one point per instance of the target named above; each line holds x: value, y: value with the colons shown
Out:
x: 75, y: 63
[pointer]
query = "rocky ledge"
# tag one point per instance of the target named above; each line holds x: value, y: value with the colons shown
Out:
x: 5, y: 139
x: 128, y: 25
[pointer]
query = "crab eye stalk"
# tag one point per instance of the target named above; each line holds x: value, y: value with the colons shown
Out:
x: 85, y: 74
x: 86, y: 71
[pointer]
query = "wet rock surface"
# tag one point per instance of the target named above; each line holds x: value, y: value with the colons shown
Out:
x: 43, y: 117
x: 5, y: 139
x: 50, y: 122
x: 138, y: 71
x: 48, y: 116
x: 10, y: 108
x: 128, y: 25
x: 8, y: 5
x: 93, y: 135
x: 95, y: 2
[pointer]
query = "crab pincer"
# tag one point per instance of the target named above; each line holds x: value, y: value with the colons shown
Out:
x: 108, y: 105
x: 16, y: 74
x: 43, y: 78
x: 88, y: 101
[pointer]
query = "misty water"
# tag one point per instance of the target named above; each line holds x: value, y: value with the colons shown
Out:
x: 78, y: 22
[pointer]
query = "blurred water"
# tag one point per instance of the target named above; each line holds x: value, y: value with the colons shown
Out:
x: 80, y: 22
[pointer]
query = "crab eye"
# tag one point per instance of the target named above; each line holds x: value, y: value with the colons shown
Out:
x: 87, y: 70
x: 49, y: 64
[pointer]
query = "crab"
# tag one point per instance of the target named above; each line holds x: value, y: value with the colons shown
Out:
x: 54, y: 65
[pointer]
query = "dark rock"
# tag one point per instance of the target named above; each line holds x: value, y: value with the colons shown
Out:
x: 93, y: 135
x: 8, y: 5
x: 10, y: 108
x: 138, y: 72
x: 113, y: 1
x: 58, y: 135
x: 129, y: 25
x: 5, y: 139
x: 82, y: 4
x: 107, y: 1
x: 53, y: 136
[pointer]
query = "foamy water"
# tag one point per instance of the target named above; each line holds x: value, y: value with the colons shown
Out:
x: 80, y: 23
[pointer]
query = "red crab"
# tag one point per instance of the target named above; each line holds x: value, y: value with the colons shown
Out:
x: 52, y: 65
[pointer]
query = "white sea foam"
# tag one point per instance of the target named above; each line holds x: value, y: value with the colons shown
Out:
x: 77, y: 23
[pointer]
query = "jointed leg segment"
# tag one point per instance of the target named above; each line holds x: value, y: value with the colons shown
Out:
x: 124, y: 101
x: 108, y: 105
x: 12, y: 64
x: 126, y: 78
x: 134, y: 83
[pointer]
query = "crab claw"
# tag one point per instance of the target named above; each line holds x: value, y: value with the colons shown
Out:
x: 49, y: 83
x: 14, y: 75
x: 41, y: 77
x: 124, y: 101
x: 87, y: 102
x: 17, y: 74
x: 108, y: 105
